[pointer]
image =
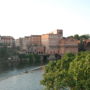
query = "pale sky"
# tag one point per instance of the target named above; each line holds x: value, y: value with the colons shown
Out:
x: 19, y: 18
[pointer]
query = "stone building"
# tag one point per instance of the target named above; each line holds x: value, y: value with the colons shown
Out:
x: 22, y: 43
x: 8, y: 41
x: 35, y: 44
x: 35, y: 40
x: 51, y: 41
x: 18, y: 43
x: 28, y: 43
x: 37, y: 49
x: 68, y: 45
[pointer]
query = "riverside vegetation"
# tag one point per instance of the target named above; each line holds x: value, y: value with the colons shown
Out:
x: 10, y: 58
x: 72, y: 71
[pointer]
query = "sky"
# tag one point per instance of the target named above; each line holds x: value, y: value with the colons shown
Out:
x: 19, y: 18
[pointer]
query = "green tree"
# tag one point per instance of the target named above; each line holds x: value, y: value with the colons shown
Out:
x: 55, y: 72
x: 80, y: 70
x: 76, y: 36
x: 87, y: 36
x: 71, y: 71
x: 81, y: 46
x: 3, y: 52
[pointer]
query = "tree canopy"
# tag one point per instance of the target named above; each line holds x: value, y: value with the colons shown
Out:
x: 81, y: 37
x: 72, y: 71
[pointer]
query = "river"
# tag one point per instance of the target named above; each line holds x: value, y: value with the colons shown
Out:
x: 17, y: 79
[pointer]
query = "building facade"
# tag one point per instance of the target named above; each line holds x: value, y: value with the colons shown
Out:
x: 68, y: 45
x: 35, y: 40
x: 8, y: 41
x: 22, y: 43
x: 51, y: 41
x: 35, y: 44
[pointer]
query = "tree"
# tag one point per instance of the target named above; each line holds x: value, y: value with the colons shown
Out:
x: 71, y: 71
x: 87, y: 36
x: 82, y: 38
x: 81, y: 46
x: 55, y: 72
x: 5, y: 53
x: 77, y: 37
x: 80, y: 70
